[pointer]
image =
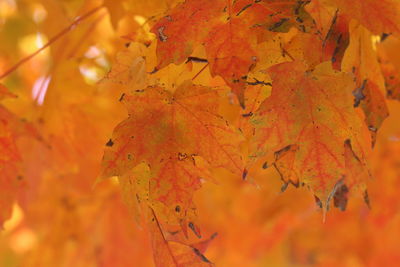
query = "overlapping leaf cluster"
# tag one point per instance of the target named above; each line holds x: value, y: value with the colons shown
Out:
x: 320, y: 59
x: 212, y: 89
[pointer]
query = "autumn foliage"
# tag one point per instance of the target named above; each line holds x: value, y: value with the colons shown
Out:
x: 199, y: 133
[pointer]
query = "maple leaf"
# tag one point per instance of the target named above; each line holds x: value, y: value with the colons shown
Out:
x: 167, y: 131
x: 305, y: 122
x: 171, y: 245
x: 173, y: 253
x: 231, y: 53
x: 182, y: 29
x: 363, y: 63
x: 378, y: 16
x: 162, y: 125
x: 129, y: 68
x: 373, y: 103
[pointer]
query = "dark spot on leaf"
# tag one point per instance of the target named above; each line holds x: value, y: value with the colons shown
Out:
x: 243, y: 9
x: 196, y: 59
x: 340, y: 197
x: 359, y: 94
x: 110, y: 143
x: 244, y: 174
x: 154, y: 70
x: 278, y: 24
x: 193, y: 228
x: 366, y: 199
x: 318, y: 202
x: 182, y: 156
x: 256, y: 82
x: 284, y: 187
x: 161, y: 36
x: 265, y: 165
x: 214, y: 235
x: 202, y: 257
x: 384, y: 36
x: 247, y: 114
x: 278, y: 154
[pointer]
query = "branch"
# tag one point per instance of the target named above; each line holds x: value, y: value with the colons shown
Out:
x: 78, y: 20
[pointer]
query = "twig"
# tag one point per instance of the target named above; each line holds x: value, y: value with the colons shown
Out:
x: 78, y: 20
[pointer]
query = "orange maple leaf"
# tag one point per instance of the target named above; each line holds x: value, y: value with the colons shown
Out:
x: 167, y: 131
x: 183, y: 28
x: 306, y: 122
